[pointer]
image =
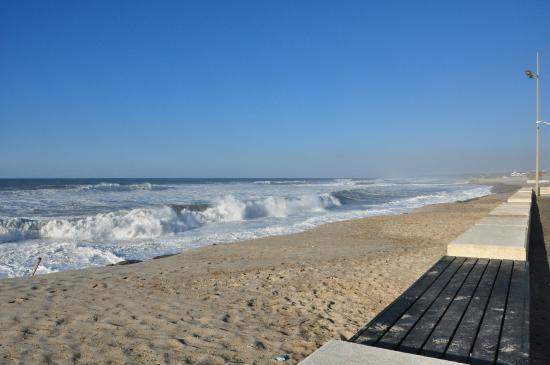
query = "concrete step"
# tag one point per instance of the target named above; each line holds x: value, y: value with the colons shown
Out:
x: 494, y: 241
x: 516, y: 221
x: 347, y: 353
x: 521, y: 197
x: 518, y: 209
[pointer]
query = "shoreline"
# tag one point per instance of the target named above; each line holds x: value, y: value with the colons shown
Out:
x: 242, y: 302
x: 496, y: 187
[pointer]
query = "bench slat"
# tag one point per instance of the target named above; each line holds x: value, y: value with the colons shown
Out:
x: 418, y: 335
x: 383, y: 321
x: 486, y: 344
x: 397, y: 333
x: 443, y: 332
x: 514, y: 343
x: 462, y: 341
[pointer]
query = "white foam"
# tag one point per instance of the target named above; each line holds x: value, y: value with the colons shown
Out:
x: 57, y: 256
x: 148, y: 223
x: 133, y: 224
x: 93, y: 227
x: 105, y: 186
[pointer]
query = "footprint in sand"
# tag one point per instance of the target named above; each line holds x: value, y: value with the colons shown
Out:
x: 18, y: 300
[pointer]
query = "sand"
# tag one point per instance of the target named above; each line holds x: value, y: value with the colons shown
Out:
x: 241, y: 303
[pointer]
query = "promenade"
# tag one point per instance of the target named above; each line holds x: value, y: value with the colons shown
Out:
x: 474, y: 305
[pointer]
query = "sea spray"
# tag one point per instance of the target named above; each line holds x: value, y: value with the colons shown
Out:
x: 153, y: 222
x: 82, y: 223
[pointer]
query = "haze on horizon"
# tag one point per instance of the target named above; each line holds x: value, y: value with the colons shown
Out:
x: 268, y: 89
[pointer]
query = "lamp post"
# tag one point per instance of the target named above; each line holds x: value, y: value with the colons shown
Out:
x: 536, y: 76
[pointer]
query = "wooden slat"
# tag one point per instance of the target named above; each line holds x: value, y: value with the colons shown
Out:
x: 462, y: 341
x: 418, y: 335
x: 382, y: 322
x: 514, y: 342
x: 437, y: 342
x: 397, y: 333
x: 486, y: 344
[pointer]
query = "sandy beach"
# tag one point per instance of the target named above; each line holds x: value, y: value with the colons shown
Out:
x: 239, y: 303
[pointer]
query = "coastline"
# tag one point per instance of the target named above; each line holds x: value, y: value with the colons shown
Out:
x: 113, y: 222
x: 243, y: 302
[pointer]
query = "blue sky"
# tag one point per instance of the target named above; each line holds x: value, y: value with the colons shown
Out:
x: 269, y: 88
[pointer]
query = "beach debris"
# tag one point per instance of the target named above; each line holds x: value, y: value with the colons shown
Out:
x: 18, y: 300
x: 163, y: 256
x: 36, y: 265
x: 126, y: 262
x: 259, y: 345
x: 182, y: 341
x: 283, y: 357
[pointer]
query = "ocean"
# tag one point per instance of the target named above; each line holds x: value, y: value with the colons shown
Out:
x: 78, y: 223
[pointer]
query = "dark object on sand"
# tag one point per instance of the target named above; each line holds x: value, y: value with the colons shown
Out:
x: 126, y: 262
x: 282, y: 357
x: 164, y: 256
x: 36, y: 266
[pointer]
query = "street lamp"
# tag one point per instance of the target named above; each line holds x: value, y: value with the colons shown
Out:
x: 530, y: 74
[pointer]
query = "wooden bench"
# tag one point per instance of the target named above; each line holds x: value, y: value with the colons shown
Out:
x: 466, y: 310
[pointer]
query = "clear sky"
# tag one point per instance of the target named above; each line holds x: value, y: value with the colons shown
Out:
x: 269, y: 88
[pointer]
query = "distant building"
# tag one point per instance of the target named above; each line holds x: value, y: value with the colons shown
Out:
x: 532, y: 174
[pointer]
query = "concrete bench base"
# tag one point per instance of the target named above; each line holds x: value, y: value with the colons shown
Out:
x: 502, y: 242
x: 487, y: 251
x: 512, y: 221
x: 518, y: 209
x: 347, y: 353
x: 523, y: 195
x: 503, y: 234
x: 520, y: 198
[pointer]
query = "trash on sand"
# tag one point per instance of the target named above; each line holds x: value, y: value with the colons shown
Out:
x: 283, y: 357
x: 36, y: 266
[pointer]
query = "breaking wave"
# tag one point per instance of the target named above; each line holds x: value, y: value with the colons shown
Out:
x: 281, y: 182
x: 105, y: 186
x: 157, y: 221
x: 76, y: 224
x: 153, y: 222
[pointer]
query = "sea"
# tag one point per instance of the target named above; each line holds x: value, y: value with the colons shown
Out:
x: 79, y: 223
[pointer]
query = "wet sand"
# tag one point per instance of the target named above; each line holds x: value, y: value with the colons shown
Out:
x: 240, y: 303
